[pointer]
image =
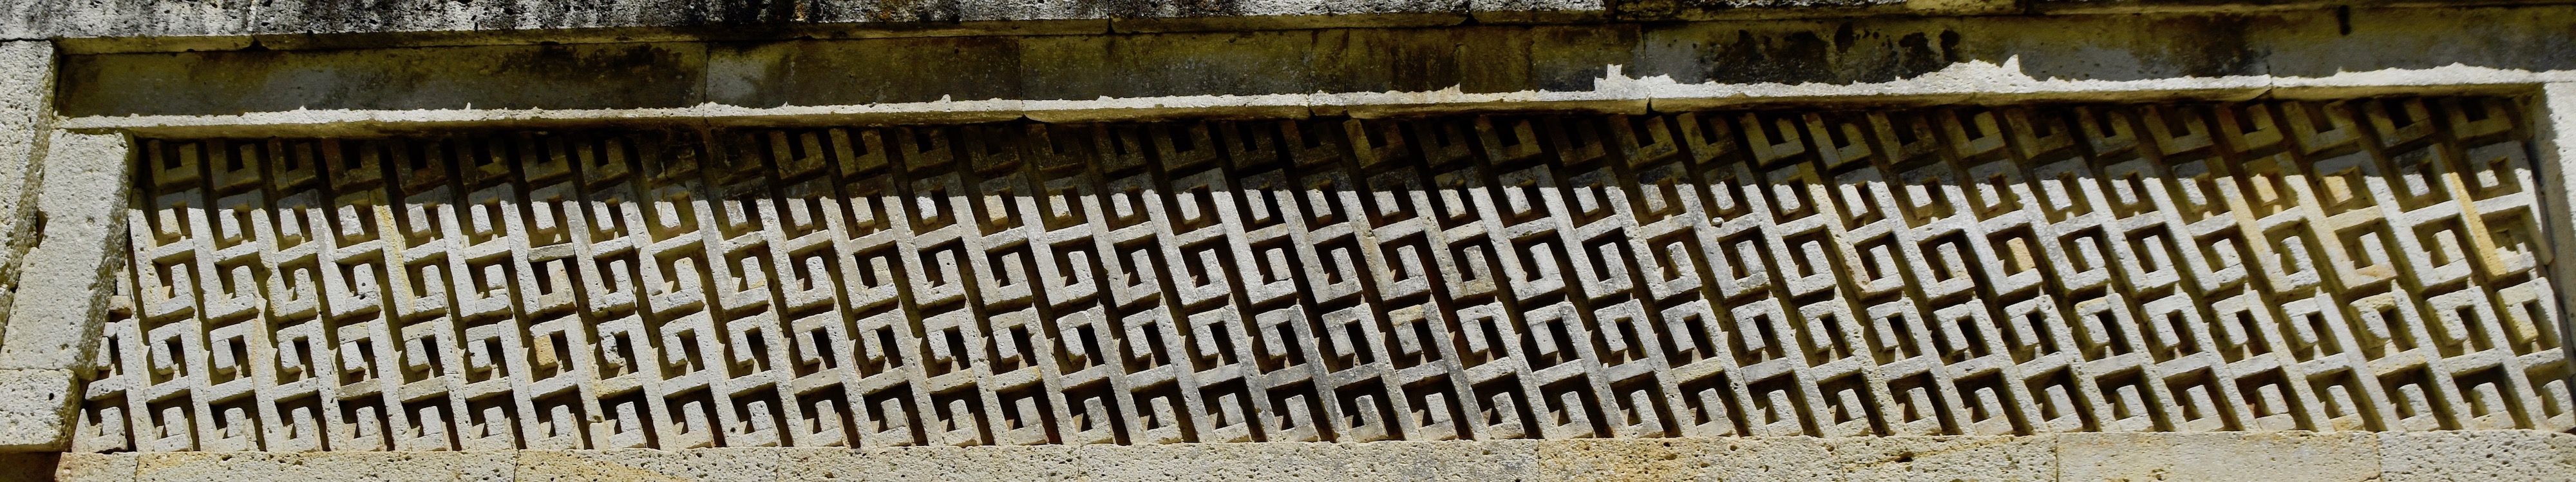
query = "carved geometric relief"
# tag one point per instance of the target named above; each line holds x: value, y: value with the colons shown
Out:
x: 2362, y: 265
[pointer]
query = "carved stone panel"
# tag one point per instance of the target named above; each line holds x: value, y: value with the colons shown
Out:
x: 2362, y: 265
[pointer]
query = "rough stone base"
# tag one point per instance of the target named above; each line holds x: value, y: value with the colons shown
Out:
x: 2464, y: 455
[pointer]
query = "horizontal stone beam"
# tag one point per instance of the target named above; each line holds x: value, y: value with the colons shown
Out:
x: 1614, y: 67
x: 2390, y: 457
x: 179, y: 25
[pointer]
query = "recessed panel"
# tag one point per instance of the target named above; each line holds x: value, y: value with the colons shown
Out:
x: 2363, y: 265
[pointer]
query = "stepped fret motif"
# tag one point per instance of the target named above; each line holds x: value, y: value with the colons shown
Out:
x: 2361, y: 265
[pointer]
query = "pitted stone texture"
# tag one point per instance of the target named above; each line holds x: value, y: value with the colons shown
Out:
x: 713, y: 465
x: 34, y: 387
x: 1375, y: 461
x: 2477, y: 455
x: 68, y: 276
x: 325, y: 467
x: 26, y: 123
x: 939, y: 463
x: 35, y: 408
x: 1952, y: 457
x: 2469, y: 455
x: 2286, y: 456
x: 1896, y: 458
x: 65, y: 282
x: 2360, y: 265
x: 105, y: 467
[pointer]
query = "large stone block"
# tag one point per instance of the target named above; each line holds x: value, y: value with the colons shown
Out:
x: 2477, y: 455
x: 67, y: 278
x: 1958, y: 457
x: 2286, y: 456
x: 1055, y: 462
x: 324, y: 466
x: 711, y: 465
x: 1376, y: 461
x: 36, y: 409
x: 26, y: 123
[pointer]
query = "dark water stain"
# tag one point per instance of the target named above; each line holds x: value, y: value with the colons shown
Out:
x: 1914, y: 54
x: 2217, y: 47
x: 1165, y: 8
x: 1750, y: 58
x: 1845, y: 37
x: 1806, y: 56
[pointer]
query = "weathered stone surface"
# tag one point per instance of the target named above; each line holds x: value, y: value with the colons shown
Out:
x: 1757, y: 272
x: 1749, y: 458
x: 2554, y: 132
x: 2287, y: 456
x: 2421, y: 456
x: 2283, y: 266
x: 1711, y: 458
x: 177, y: 24
x: 1365, y: 72
x: 30, y: 389
x: 938, y: 463
x: 1392, y: 461
x: 209, y: 466
x: 65, y: 280
x: 63, y: 286
x: 96, y: 467
x: 35, y: 409
x: 398, y: 466
x: 172, y: 18
x: 323, y: 466
x: 1589, y: 460
x: 28, y: 420
x: 592, y: 76
x: 1959, y: 457
x: 26, y: 122
x: 285, y: 20
x: 2477, y: 455
x: 711, y: 465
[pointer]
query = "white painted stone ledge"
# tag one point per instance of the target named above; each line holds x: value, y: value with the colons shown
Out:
x: 2520, y: 455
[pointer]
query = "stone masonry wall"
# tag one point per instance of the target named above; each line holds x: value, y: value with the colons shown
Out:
x: 2361, y: 265
x: 1286, y: 239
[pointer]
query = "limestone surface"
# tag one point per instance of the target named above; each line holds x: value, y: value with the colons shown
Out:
x: 2462, y: 455
x: 2338, y: 266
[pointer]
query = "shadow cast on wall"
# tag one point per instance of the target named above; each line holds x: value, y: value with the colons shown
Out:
x: 2371, y: 264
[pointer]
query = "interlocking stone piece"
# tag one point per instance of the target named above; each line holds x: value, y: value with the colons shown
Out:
x: 66, y: 280
x: 26, y: 100
x: 2359, y: 265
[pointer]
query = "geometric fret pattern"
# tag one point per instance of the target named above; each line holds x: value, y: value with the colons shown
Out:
x: 2359, y: 265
